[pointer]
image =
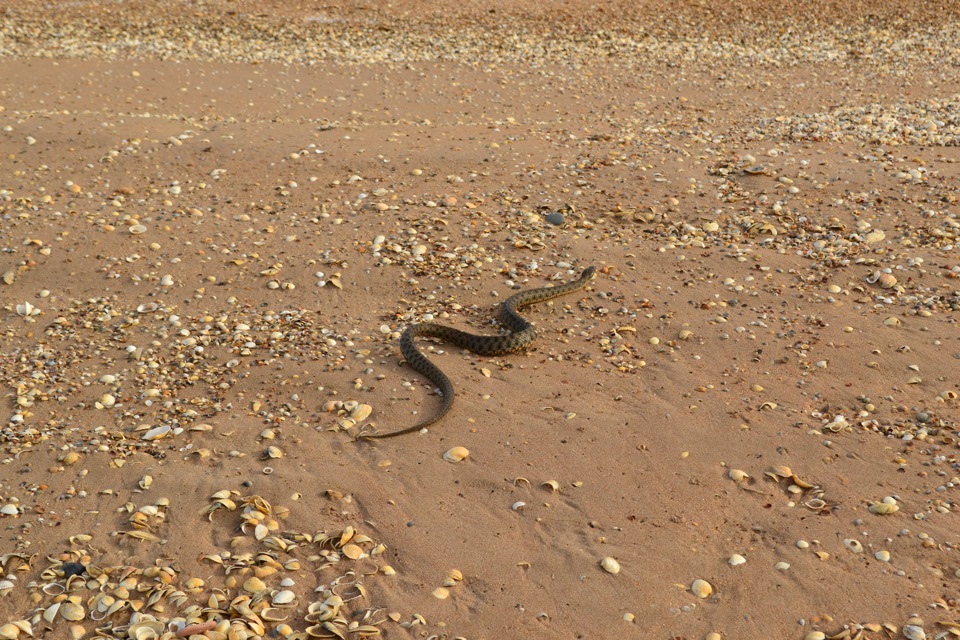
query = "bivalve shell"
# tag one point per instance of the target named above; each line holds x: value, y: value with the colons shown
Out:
x: 9, y: 631
x: 72, y: 611
x: 736, y: 560
x: 853, y: 545
x: 254, y: 585
x: 610, y: 565
x: 914, y: 632
x: 145, y: 630
x: 883, y: 508
x: 284, y: 597
x: 701, y: 588
x: 157, y: 432
x: 456, y: 454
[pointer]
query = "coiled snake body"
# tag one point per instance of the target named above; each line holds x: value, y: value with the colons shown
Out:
x: 522, y: 334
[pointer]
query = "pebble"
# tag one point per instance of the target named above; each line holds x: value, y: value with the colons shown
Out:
x: 555, y: 218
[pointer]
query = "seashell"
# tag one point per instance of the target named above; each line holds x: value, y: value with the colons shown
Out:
x: 272, y: 614
x: 892, y: 321
x: 853, y: 545
x: 781, y: 566
x: 254, y: 585
x: 6, y: 586
x: 72, y: 611
x: 553, y: 485
x: 145, y: 630
x: 353, y: 551
x: 27, y: 309
x: 883, y: 555
x: 736, y: 560
x: 50, y: 613
x: 441, y: 593
x: 137, y: 229
x: 815, y: 635
x: 283, y: 597
x: 456, y: 454
x: 755, y: 170
x: 875, y: 236
x: 781, y: 470
x: 147, y: 307
x: 883, y: 508
x: 737, y: 475
x: 610, y: 565
x: 701, y: 588
x: 9, y: 631
x: 914, y: 632
x: 157, y: 432
x: 9, y: 510
x: 361, y: 412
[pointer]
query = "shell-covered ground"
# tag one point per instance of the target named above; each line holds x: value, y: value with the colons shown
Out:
x: 216, y: 218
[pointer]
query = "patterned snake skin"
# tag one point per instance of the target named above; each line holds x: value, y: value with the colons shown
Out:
x: 522, y: 334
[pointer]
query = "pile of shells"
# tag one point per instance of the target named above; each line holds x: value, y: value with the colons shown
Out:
x: 254, y: 599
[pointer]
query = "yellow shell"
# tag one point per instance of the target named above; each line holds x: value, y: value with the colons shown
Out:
x: 701, y: 588
x: 456, y: 454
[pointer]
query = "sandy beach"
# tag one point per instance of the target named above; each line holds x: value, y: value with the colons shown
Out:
x: 219, y: 217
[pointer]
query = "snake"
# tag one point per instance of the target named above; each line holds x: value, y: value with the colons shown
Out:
x: 521, y: 335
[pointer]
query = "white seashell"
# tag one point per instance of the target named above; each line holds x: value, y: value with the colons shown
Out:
x: 853, y: 545
x: 9, y: 510
x: 456, y: 454
x: 157, y: 432
x: 284, y: 597
x: 883, y: 555
x: 50, y: 613
x: 138, y: 229
x: 27, y: 309
x: 736, y: 560
x: 147, y: 307
x: 519, y: 504
x: 914, y: 632
x: 610, y: 565
x: 781, y: 566
x: 166, y: 281
x: 701, y: 588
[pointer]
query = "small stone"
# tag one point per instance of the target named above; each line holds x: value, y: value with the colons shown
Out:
x: 555, y: 218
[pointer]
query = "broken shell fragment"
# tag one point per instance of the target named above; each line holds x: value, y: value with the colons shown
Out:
x: 610, y: 565
x: 456, y: 454
x: 701, y: 588
x: 737, y: 475
x: 853, y: 545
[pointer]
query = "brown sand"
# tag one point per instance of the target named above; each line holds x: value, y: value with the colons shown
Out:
x: 726, y: 168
